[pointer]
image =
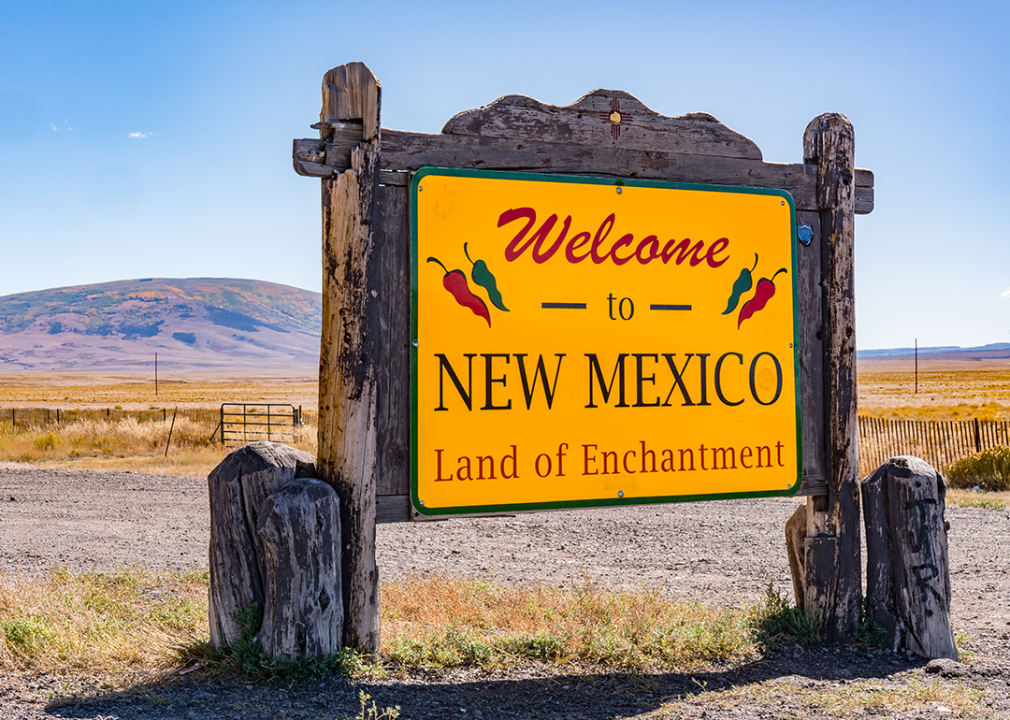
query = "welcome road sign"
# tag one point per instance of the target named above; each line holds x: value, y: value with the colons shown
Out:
x: 585, y: 342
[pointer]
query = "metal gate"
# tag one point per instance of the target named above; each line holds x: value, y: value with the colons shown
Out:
x: 243, y: 423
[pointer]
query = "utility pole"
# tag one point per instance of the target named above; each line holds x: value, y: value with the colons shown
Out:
x: 917, y: 366
x: 156, y: 374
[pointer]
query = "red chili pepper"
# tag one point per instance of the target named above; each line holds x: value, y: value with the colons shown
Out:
x: 455, y: 282
x: 762, y: 294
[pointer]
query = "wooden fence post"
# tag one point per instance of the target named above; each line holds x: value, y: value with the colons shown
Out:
x: 832, y: 567
x: 347, y: 378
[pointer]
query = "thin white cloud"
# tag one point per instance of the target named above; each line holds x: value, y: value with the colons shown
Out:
x: 1006, y: 293
x: 142, y: 135
x: 66, y: 127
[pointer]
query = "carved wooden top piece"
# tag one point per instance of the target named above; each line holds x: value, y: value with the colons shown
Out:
x: 611, y: 118
x: 351, y: 93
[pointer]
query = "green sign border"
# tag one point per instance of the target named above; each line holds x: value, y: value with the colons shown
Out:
x: 600, y: 502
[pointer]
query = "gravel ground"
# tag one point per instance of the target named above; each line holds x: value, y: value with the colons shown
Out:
x: 724, y: 552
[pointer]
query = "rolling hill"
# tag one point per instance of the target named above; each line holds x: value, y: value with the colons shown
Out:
x: 992, y: 351
x: 197, y: 323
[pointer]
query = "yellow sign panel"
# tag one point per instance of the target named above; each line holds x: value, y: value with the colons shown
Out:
x: 584, y: 342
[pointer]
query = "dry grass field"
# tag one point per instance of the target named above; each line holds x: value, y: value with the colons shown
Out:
x: 947, y: 390
x: 95, y: 444
x: 196, y: 390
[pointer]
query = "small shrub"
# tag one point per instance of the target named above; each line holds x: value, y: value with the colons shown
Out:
x: 542, y: 646
x: 989, y: 470
x: 775, y: 620
x: 247, y: 659
x: 246, y: 654
x: 46, y: 442
x: 961, y: 642
x: 868, y: 632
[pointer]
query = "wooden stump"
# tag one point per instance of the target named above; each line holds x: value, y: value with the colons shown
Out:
x: 907, y: 571
x: 796, y: 543
x: 238, y: 487
x: 299, y: 526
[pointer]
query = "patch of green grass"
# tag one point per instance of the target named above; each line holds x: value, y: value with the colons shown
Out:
x: 774, y: 620
x: 985, y: 500
x: 27, y: 637
x: 983, y: 503
x: 247, y: 659
x: 543, y: 646
x: 961, y: 642
x: 868, y: 632
x: 175, y: 613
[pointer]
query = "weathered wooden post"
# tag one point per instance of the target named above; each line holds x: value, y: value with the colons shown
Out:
x: 907, y: 568
x: 348, y: 356
x: 832, y: 564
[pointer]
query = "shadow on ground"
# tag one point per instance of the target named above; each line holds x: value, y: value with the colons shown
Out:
x: 526, y: 691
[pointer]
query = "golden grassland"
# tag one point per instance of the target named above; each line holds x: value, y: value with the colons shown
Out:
x: 886, y: 389
x: 946, y: 391
x: 129, y: 444
x: 209, y: 390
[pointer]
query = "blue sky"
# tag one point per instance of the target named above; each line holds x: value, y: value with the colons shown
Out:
x: 154, y: 139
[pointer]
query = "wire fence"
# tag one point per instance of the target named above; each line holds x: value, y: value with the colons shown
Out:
x: 31, y: 418
x: 938, y: 442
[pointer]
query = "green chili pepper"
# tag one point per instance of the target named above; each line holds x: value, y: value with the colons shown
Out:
x: 483, y: 277
x: 742, y: 285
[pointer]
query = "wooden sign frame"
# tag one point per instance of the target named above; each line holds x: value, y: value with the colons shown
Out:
x: 364, y: 386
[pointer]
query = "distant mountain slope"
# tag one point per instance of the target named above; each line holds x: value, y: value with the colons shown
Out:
x: 993, y: 351
x: 203, y: 323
